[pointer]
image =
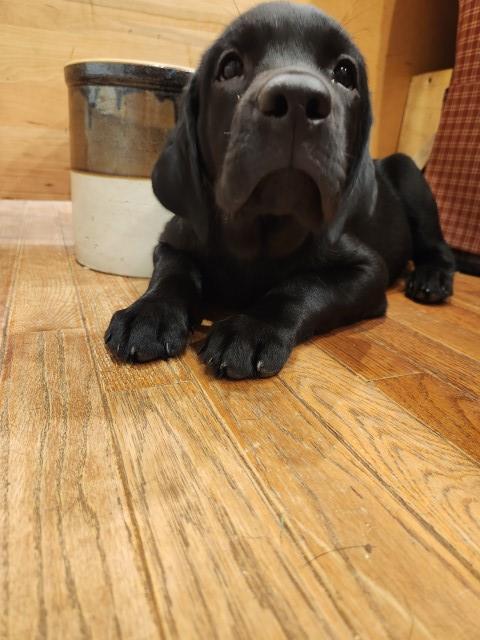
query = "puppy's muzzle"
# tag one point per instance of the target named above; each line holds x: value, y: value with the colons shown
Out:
x: 295, y: 96
x: 283, y: 122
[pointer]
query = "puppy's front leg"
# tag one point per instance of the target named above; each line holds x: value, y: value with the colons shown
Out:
x: 156, y: 326
x: 259, y: 342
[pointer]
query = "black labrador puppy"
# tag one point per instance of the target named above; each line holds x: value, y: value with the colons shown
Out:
x: 280, y: 211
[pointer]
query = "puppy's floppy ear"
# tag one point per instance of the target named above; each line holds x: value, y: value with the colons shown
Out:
x: 178, y: 179
x: 360, y: 188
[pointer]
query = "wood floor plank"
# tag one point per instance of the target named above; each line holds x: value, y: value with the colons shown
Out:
x: 423, y: 352
x: 445, y: 409
x: 447, y: 324
x: 202, y: 516
x: 44, y: 298
x: 11, y: 220
x: 337, y: 500
x: 68, y: 544
x: 421, y: 469
x: 213, y: 539
x: 452, y: 413
x: 101, y: 295
x: 330, y: 502
x: 467, y: 292
x: 370, y: 359
x: 70, y: 561
x: 11, y: 224
x: 361, y: 604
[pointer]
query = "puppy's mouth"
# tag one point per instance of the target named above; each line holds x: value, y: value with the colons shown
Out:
x: 285, y: 192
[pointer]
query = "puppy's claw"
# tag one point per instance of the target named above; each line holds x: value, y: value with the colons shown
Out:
x: 222, y: 370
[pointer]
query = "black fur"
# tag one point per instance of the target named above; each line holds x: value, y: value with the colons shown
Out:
x: 280, y: 211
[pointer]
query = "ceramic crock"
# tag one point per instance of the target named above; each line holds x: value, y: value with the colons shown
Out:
x: 120, y: 114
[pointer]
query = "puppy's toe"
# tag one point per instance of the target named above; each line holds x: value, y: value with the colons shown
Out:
x: 242, y: 347
x: 429, y: 285
x: 117, y: 335
x: 148, y: 330
x: 228, y: 355
x: 271, y: 358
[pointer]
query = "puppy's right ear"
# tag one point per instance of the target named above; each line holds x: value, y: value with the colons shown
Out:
x: 178, y: 179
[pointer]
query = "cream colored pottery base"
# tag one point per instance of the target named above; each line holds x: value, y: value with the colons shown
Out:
x: 117, y: 222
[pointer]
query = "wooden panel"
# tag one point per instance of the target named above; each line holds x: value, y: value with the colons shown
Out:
x: 422, y: 38
x: 38, y: 37
x: 422, y: 114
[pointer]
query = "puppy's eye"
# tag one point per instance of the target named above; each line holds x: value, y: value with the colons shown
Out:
x: 231, y: 66
x: 345, y: 74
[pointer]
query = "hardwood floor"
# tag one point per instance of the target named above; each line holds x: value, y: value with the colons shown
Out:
x: 340, y: 499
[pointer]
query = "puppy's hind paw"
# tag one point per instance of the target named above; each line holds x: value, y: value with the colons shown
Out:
x: 429, y: 284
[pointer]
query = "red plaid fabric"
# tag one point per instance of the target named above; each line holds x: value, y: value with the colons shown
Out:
x: 453, y: 170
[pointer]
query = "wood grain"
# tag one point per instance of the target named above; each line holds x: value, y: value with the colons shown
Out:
x: 44, y: 298
x: 393, y: 446
x: 467, y: 294
x: 38, y: 37
x: 12, y: 217
x: 422, y: 352
x: 421, y: 38
x: 69, y: 553
x: 422, y: 114
x: 337, y: 500
x: 448, y: 411
x: 448, y: 324
x: 372, y: 360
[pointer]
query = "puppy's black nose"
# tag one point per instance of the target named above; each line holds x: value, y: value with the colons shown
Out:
x: 288, y: 93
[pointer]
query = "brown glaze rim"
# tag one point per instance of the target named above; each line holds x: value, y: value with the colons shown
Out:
x: 127, y: 74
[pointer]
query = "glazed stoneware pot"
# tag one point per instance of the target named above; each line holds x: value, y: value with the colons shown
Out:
x: 120, y: 114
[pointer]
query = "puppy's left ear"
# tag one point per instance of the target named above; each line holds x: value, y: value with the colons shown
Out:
x: 360, y: 189
x: 178, y: 179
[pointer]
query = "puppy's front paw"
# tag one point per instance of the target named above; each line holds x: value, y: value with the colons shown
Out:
x: 429, y: 284
x: 147, y: 330
x: 243, y: 347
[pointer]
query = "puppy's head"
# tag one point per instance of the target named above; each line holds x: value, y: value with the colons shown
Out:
x: 275, y: 122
